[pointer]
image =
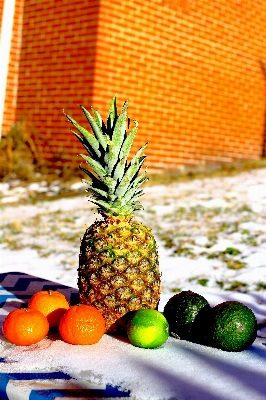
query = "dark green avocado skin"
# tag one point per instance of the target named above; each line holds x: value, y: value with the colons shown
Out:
x: 187, y: 314
x: 232, y: 326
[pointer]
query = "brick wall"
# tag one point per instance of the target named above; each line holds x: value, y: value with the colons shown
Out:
x: 57, y: 70
x: 195, y: 75
x: 9, y: 115
x: 190, y: 68
x: 1, y: 9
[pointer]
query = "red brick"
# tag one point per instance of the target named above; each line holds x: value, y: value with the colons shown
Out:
x: 190, y: 68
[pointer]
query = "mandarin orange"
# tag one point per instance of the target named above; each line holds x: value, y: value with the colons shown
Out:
x: 25, y: 326
x: 51, y: 303
x: 82, y: 324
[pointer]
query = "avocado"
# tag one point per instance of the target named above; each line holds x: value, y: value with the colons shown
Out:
x: 232, y: 326
x: 187, y: 313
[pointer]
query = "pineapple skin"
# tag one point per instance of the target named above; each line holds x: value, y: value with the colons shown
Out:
x: 118, y: 270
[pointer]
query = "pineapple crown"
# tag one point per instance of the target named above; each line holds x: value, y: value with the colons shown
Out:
x: 114, y: 182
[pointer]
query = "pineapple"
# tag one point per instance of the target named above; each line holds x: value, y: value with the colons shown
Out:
x: 118, y: 262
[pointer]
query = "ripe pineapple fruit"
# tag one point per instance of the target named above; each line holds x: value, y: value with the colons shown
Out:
x: 118, y: 262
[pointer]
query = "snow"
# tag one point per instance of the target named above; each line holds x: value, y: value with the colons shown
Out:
x: 211, y: 236
x: 169, y: 372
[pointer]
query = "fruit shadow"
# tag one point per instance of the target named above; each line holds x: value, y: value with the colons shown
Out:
x: 120, y: 338
x: 248, y: 377
x: 185, y: 388
x: 180, y: 388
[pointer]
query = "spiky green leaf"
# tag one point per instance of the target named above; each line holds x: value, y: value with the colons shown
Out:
x: 131, y: 172
x: 125, y: 149
x: 90, y: 174
x: 116, y: 208
x: 86, y: 145
x: 97, y: 130
x: 98, y: 118
x: 103, y: 204
x: 138, y: 153
x: 99, y: 194
x: 110, y: 183
x: 133, y: 187
x: 114, y: 147
x: 95, y: 191
x: 112, y: 115
x: 93, y: 142
x: 119, y: 133
x: 95, y: 165
x: 120, y: 169
x: 138, y: 206
x: 137, y: 195
x: 95, y: 182
x: 114, y: 184
x: 124, y: 152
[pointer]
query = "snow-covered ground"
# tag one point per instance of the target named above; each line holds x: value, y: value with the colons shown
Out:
x: 211, y: 235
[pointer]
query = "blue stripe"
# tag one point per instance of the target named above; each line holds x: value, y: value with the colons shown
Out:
x: 50, y: 394
x: 22, y: 283
x: 4, y: 379
x: 28, y: 376
x: 87, y: 393
x: 4, y: 297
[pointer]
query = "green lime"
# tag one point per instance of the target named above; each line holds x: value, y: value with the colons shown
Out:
x: 187, y: 313
x: 232, y: 326
x: 148, y: 329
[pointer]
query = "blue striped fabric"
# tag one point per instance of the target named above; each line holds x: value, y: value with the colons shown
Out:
x: 15, y: 291
x: 40, y: 386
